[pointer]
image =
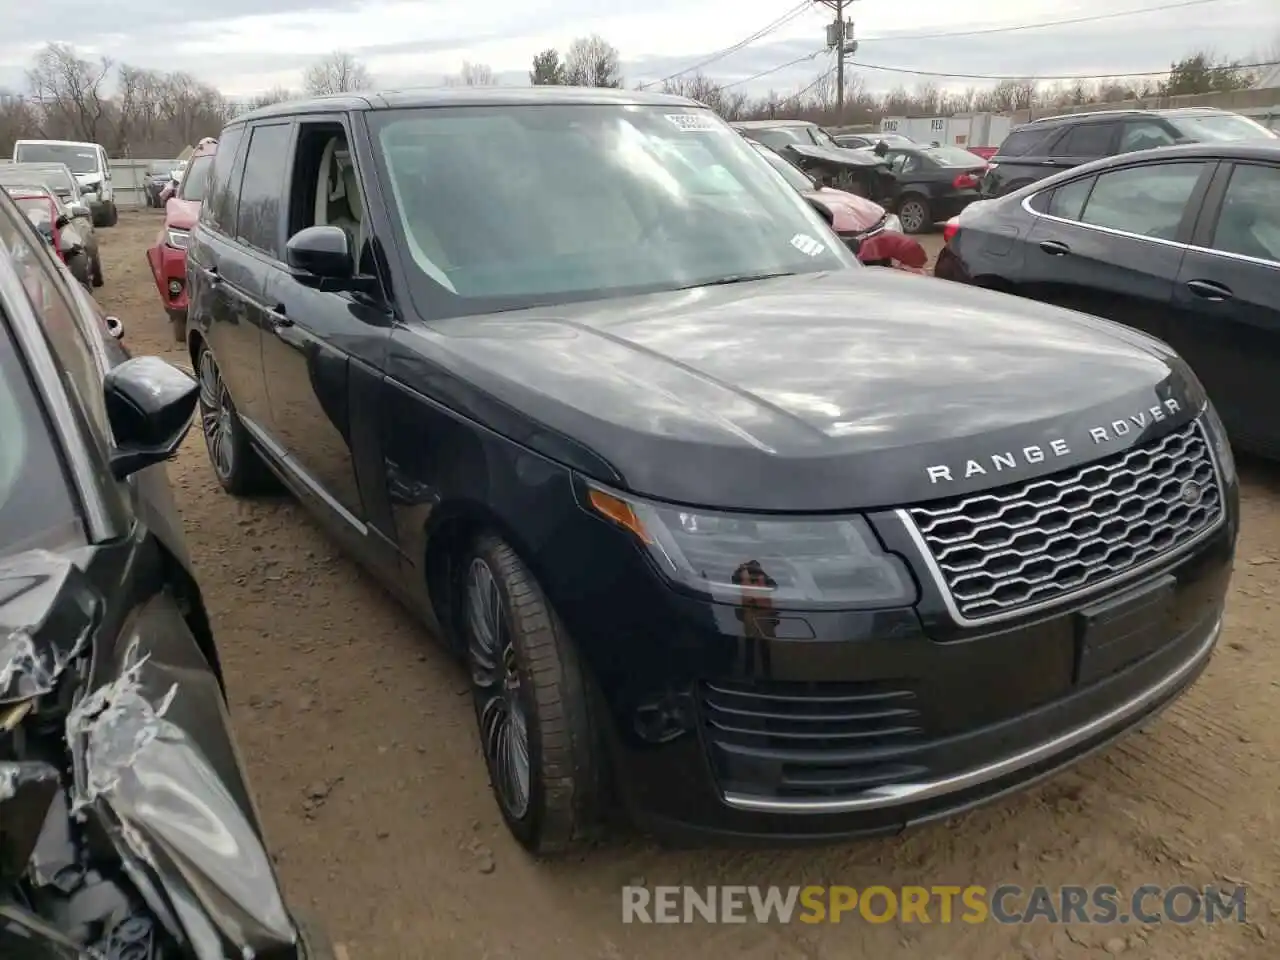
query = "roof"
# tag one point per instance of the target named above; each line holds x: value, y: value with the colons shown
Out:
x: 771, y: 124
x: 73, y: 143
x: 1126, y: 112
x: 469, y: 97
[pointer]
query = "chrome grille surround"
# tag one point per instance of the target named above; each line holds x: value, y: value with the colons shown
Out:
x: 1018, y: 548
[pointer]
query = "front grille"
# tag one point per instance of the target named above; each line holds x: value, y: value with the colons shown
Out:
x: 1045, y: 539
x: 805, y: 740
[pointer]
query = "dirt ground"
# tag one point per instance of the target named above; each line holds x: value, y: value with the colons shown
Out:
x: 362, y: 750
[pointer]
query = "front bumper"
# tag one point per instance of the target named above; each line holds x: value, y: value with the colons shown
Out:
x: 839, y: 724
x: 169, y: 270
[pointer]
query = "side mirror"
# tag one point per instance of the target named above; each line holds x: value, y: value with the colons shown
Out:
x: 321, y: 257
x: 62, y: 221
x: 150, y: 404
x: 80, y: 210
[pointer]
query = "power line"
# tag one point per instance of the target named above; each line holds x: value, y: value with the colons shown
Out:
x: 1038, y: 26
x: 1072, y: 76
x: 825, y: 75
x: 765, y: 73
x: 780, y: 22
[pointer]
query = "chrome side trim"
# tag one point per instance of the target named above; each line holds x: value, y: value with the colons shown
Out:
x: 1026, y: 205
x: 895, y: 795
x: 300, y: 474
x: 925, y: 556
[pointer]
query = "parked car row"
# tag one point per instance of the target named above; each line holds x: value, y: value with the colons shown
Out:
x: 167, y: 257
x: 921, y: 184
x: 1182, y: 243
x: 37, y: 179
x: 726, y: 527
x: 128, y: 825
x: 87, y: 161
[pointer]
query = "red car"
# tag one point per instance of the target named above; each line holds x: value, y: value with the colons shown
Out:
x: 54, y: 222
x: 872, y: 233
x: 168, y: 255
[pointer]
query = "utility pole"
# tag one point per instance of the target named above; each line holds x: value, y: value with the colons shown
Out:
x: 840, y: 39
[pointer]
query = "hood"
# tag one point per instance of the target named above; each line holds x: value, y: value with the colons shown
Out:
x: 181, y: 214
x: 822, y: 392
x: 839, y: 155
x: 852, y: 213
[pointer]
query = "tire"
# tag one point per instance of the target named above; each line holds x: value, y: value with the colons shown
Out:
x: 100, y: 217
x: 113, y: 214
x: 237, y: 465
x: 95, y: 270
x: 913, y: 211
x: 529, y: 690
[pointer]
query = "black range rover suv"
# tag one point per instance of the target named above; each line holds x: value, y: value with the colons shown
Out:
x: 1050, y: 145
x: 760, y: 541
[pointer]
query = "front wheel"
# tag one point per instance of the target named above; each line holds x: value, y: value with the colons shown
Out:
x: 113, y: 214
x: 532, y: 704
x: 95, y: 270
x: 914, y: 214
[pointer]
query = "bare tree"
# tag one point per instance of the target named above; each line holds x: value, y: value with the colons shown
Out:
x: 476, y: 74
x: 69, y: 93
x: 592, y: 62
x: 336, y: 72
x: 698, y: 86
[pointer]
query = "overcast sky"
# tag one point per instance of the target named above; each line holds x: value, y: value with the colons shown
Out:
x: 242, y: 50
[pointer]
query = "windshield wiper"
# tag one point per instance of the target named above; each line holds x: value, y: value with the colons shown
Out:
x: 737, y: 278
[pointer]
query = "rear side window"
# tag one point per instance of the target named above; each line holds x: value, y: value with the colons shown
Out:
x: 1022, y: 142
x: 1068, y: 200
x: 261, y: 187
x: 1086, y: 140
x: 1249, y: 222
x: 219, y: 208
x: 1148, y: 200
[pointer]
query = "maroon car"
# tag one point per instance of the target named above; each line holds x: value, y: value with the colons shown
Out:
x: 870, y: 231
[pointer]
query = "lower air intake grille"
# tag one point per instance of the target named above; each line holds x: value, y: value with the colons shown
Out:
x: 1044, y: 539
x: 810, y: 740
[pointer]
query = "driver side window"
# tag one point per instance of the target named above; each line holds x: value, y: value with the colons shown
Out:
x: 1148, y: 200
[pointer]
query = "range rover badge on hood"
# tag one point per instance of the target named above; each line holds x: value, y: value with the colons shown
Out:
x: 1040, y: 452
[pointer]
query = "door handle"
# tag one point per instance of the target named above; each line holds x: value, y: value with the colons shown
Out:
x: 1208, y: 290
x: 1054, y: 248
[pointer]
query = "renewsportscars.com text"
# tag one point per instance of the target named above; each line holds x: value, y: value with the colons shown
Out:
x: 1005, y: 904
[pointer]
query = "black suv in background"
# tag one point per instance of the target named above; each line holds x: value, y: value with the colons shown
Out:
x: 1049, y: 145
x: 724, y: 524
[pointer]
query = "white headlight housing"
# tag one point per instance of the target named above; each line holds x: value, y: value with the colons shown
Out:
x: 178, y: 239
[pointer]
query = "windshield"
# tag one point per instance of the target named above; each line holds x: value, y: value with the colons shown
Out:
x: 38, y: 210
x: 789, y: 171
x: 194, y: 180
x: 56, y: 178
x: 605, y: 201
x: 953, y: 157
x: 1220, y: 127
x: 779, y: 137
x: 81, y: 159
x: 162, y: 168
x: 35, y: 509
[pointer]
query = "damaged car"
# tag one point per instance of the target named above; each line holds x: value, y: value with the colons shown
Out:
x: 814, y: 151
x: 127, y: 828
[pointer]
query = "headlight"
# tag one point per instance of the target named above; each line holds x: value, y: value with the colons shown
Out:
x: 178, y: 239
x: 891, y: 222
x: 1221, y: 444
x: 826, y: 562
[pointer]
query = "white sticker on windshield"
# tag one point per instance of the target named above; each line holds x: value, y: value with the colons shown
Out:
x: 807, y: 244
x: 695, y: 122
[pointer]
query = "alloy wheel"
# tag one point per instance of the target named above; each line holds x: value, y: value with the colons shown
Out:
x: 912, y: 216
x: 216, y: 416
x: 495, y: 676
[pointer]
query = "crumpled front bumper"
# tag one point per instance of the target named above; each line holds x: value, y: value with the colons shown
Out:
x: 169, y: 271
x: 153, y: 769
